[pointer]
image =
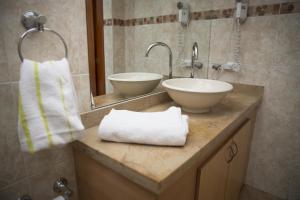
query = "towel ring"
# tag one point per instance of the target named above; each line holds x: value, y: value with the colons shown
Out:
x: 34, y: 22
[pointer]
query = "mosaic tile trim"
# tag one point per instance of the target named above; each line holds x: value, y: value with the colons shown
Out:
x: 257, y: 10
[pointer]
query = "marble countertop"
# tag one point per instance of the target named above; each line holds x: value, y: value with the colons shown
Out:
x: 156, y: 167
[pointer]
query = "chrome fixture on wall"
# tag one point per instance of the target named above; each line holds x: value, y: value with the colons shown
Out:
x: 34, y: 22
x: 170, y: 55
x: 195, y: 57
x: 61, y: 187
x: 217, y: 67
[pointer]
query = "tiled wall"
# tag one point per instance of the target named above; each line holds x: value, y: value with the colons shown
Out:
x: 270, y: 56
x: 20, y: 172
x: 114, y: 41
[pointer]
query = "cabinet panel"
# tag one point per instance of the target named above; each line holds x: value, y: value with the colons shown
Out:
x: 97, y: 182
x: 213, y: 175
x: 238, y: 166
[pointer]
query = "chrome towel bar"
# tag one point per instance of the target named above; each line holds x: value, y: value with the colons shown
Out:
x: 34, y: 22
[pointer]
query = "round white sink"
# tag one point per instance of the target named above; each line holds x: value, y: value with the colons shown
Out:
x: 135, y: 83
x: 196, y: 95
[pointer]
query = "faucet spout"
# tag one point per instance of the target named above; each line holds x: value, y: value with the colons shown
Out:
x: 194, y: 57
x: 170, y: 55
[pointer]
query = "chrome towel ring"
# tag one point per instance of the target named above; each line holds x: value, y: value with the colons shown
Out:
x: 34, y: 22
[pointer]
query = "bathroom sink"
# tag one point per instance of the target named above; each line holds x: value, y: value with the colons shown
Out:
x: 196, y: 95
x: 135, y: 83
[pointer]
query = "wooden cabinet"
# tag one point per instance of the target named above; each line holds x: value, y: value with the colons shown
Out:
x: 218, y: 178
x: 213, y: 175
x: 222, y: 177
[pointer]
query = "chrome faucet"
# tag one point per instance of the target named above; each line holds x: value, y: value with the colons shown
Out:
x: 194, y: 57
x: 170, y: 55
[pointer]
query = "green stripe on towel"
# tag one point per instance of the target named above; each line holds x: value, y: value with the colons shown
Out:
x: 24, y: 125
x: 40, y: 103
x: 62, y: 98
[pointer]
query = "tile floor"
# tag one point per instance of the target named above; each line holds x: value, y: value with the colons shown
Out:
x: 250, y: 193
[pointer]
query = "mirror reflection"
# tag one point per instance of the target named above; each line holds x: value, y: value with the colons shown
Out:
x: 134, y: 44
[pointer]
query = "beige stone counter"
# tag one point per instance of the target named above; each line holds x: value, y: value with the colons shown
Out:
x: 156, y: 167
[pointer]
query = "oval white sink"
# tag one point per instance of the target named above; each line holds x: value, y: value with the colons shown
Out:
x: 135, y: 83
x: 196, y: 95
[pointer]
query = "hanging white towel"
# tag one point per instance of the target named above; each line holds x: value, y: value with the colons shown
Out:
x: 48, y: 113
x: 168, y: 128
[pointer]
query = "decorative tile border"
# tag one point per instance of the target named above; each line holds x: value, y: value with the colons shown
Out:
x: 257, y: 10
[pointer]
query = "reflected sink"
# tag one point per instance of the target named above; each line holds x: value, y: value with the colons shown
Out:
x: 196, y: 95
x: 135, y: 83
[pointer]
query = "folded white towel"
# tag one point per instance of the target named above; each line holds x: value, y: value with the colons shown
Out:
x: 169, y: 127
x: 48, y: 113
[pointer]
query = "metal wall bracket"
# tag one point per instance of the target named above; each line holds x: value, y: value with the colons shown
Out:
x: 31, y: 19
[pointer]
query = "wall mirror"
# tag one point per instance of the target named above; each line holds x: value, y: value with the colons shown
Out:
x: 119, y: 33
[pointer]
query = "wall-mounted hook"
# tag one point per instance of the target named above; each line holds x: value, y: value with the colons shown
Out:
x: 31, y: 19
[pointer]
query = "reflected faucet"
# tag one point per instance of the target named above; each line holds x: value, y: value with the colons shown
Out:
x: 170, y: 54
x: 194, y: 57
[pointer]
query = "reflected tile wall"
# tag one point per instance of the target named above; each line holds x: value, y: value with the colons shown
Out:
x: 138, y: 38
x: 20, y: 172
x: 114, y: 41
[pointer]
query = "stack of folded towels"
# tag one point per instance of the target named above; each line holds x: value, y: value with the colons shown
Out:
x: 168, y: 128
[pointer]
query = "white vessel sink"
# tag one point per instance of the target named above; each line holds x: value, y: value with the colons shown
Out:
x: 135, y: 83
x: 196, y: 95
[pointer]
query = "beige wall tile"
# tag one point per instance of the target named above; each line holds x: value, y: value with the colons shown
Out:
x: 41, y: 185
x: 68, y: 18
x: 82, y: 86
x: 108, y: 56
x: 118, y: 49
x: 220, y: 4
x: 287, y: 45
x: 13, y: 192
x: 4, y: 75
x: 269, y: 57
x: 12, y: 163
x: 107, y: 9
x: 118, y: 9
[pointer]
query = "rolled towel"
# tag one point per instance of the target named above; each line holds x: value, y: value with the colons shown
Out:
x: 48, y: 113
x: 168, y: 128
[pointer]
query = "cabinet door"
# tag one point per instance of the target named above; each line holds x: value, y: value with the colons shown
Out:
x: 238, y: 166
x: 212, y: 177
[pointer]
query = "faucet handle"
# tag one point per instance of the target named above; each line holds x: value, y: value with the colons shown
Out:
x: 198, y: 65
x: 217, y: 67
